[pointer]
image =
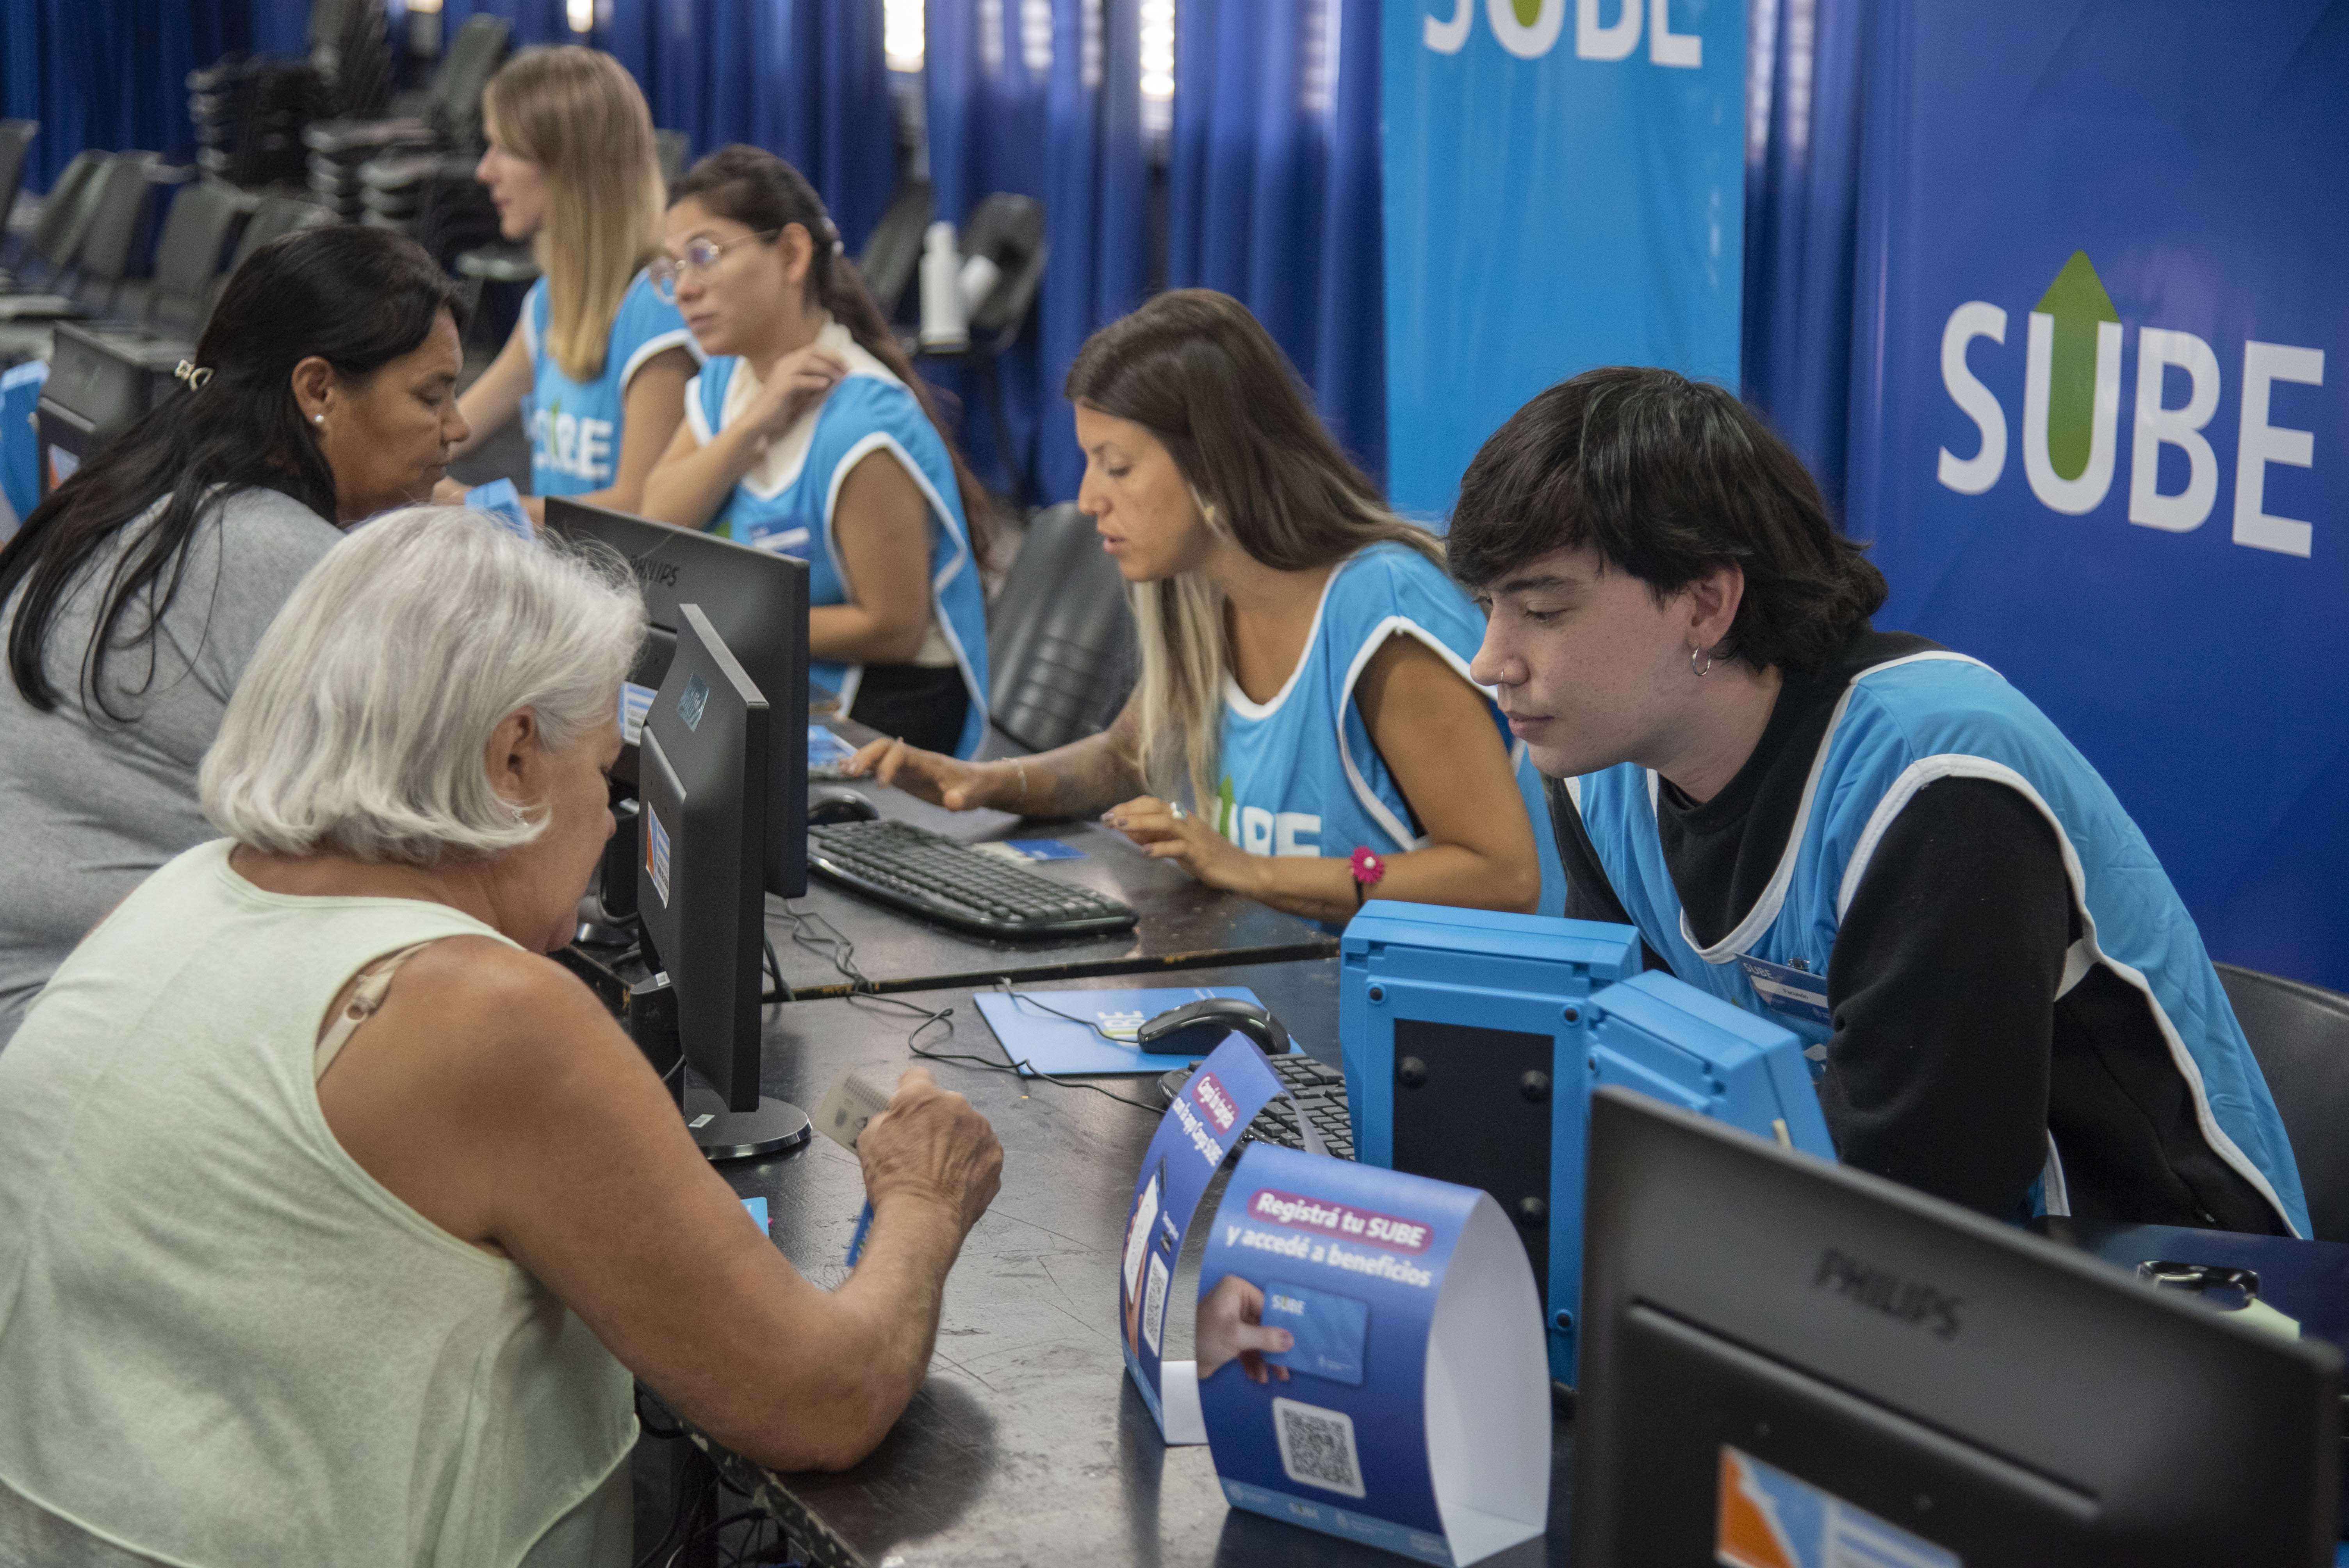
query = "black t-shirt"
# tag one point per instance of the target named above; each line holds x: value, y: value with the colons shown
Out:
x: 1953, y: 1057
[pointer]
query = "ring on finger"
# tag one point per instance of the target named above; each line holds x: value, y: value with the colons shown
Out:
x: 1177, y: 811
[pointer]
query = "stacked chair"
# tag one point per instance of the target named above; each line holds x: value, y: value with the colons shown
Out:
x: 249, y: 110
x: 95, y: 250
x: 386, y: 169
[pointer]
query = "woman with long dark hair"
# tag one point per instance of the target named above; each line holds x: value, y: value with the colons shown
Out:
x: 808, y: 434
x: 1305, y: 731
x: 323, y: 392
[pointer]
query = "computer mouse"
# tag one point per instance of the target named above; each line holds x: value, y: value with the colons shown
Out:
x: 829, y: 804
x: 1196, y: 1029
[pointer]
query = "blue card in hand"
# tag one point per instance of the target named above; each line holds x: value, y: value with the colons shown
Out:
x: 1331, y: 1331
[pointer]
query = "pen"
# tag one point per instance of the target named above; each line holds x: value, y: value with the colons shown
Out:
x: 863, y: 1227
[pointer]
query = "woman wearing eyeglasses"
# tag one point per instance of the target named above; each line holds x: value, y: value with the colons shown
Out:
x: 599, y: 357
x: 809, y: 435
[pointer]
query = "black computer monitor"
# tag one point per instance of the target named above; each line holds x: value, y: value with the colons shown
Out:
x: 99, y: 383
x: 759, y: 603
x: 1777, y: 1348
x: 700, y: 895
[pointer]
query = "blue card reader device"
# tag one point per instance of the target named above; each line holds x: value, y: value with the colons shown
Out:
x: 1472, y: 1040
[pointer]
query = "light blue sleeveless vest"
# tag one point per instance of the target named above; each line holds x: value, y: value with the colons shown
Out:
x: 575, y: 426
x: 1900, y: 726
x: 870, y: 410
x: 1299, y: 775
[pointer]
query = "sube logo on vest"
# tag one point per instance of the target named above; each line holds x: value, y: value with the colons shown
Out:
x: 570, y: 445
x: 2072, y: 407
x: 1262, y: 833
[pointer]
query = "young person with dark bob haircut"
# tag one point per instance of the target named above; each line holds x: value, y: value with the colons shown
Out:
x: 323, y: 392
x: 1304, y: 730
x: 1871, y: 839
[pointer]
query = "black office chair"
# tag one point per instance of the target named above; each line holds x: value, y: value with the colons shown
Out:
x: 198, y: 237
x: 1010, y: 231
x: 2300, y: 1033
x: 447, y: 119
x: 1060, y: 641
x: 272, y: 216
x: 16, y: 140
x: 114, y: 216
x: 893, y: 252
x: 64, y: 219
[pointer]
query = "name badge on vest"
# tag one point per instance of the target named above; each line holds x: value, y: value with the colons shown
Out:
x: 780, y: 540
x: 1798, y: 993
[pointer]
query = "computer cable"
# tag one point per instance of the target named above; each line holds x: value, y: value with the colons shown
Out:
x: 842, y: 957
x: 782, y: 991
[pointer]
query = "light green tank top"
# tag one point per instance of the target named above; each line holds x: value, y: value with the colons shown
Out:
x: 220, y: 1340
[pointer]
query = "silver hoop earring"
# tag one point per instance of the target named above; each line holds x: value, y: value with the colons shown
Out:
x: 1697, y: 669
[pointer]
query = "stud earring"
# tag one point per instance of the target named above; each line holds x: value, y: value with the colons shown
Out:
x: 318, y: 419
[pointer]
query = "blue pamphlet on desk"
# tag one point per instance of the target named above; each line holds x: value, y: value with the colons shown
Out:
x: 1409, y: 1411
x: 1042, y: 1042
x: 827, y: 753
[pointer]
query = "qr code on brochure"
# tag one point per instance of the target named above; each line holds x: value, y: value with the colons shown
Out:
x: 1154, y: 1305
x: 1317, y: 1447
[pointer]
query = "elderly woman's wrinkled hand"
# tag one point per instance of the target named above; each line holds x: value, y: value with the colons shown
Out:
x: 930, y: 1144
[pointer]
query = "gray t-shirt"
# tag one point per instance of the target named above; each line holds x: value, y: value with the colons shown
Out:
x: 89, y: 805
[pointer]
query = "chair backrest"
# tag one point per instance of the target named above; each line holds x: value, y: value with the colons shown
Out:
x: 2300, y: 1033
x: 893, y: 252
x: 15, y: 138
x: 110, y: 248
x: 1009, y: 229
x: 1060, y: 639
x: 274, y: 215
x: 197, y: 238
x: 473, y: 57
x: 66, y: 212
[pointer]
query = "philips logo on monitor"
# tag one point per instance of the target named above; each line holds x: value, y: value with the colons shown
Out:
x: 1910, y: 1301
x: 692, y: 700
x: 654, y: 573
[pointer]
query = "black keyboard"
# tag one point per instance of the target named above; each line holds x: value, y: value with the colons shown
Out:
x: 1320, y: 1091
x: 931, y: 876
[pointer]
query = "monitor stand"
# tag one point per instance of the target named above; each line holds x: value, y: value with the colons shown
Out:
x: 776, y: 1127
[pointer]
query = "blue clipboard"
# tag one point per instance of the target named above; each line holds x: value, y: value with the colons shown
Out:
x: 1042, y: 1043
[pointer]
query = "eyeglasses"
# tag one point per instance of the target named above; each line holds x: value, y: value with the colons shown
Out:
x: 699, y: 257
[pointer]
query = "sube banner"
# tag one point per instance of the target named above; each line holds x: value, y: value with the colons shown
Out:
x: 1565, y: 189
x: 2101, y: 427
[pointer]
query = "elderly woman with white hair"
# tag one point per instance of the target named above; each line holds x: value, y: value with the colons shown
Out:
x: 333, y: 1218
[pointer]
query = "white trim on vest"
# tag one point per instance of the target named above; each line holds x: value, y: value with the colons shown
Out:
x: 2084, y: 954
x: 661, y: 343
x: 880, y: 440
x: 2055, y: 1192
x: 1393, y: 625
x: 1256, y: 711
x: 1764, y: 913
x: 1574, y: 793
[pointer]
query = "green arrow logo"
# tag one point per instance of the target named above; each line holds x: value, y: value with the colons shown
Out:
x: 1224, y: 806
x: 2077, y: 302
x: 1528, y: 11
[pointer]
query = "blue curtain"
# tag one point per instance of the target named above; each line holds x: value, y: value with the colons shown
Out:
x: 1802, y: 210
x: 1055, y: 114
x: 109, y: 74
x: 1275, y: 189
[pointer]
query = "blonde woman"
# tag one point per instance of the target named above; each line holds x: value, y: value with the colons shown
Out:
x: 600, y: 358
x: 1305, y: 731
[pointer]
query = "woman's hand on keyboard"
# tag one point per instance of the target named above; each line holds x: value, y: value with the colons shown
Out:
x: 931, y: 776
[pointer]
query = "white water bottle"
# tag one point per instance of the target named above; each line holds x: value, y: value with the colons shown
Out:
x: 979, y: 276
x: 946, y: 328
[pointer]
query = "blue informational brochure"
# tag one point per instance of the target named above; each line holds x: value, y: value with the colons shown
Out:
x: 1410, y: 1410
x: 1200, y: 1127
x: 1036, y: 1035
